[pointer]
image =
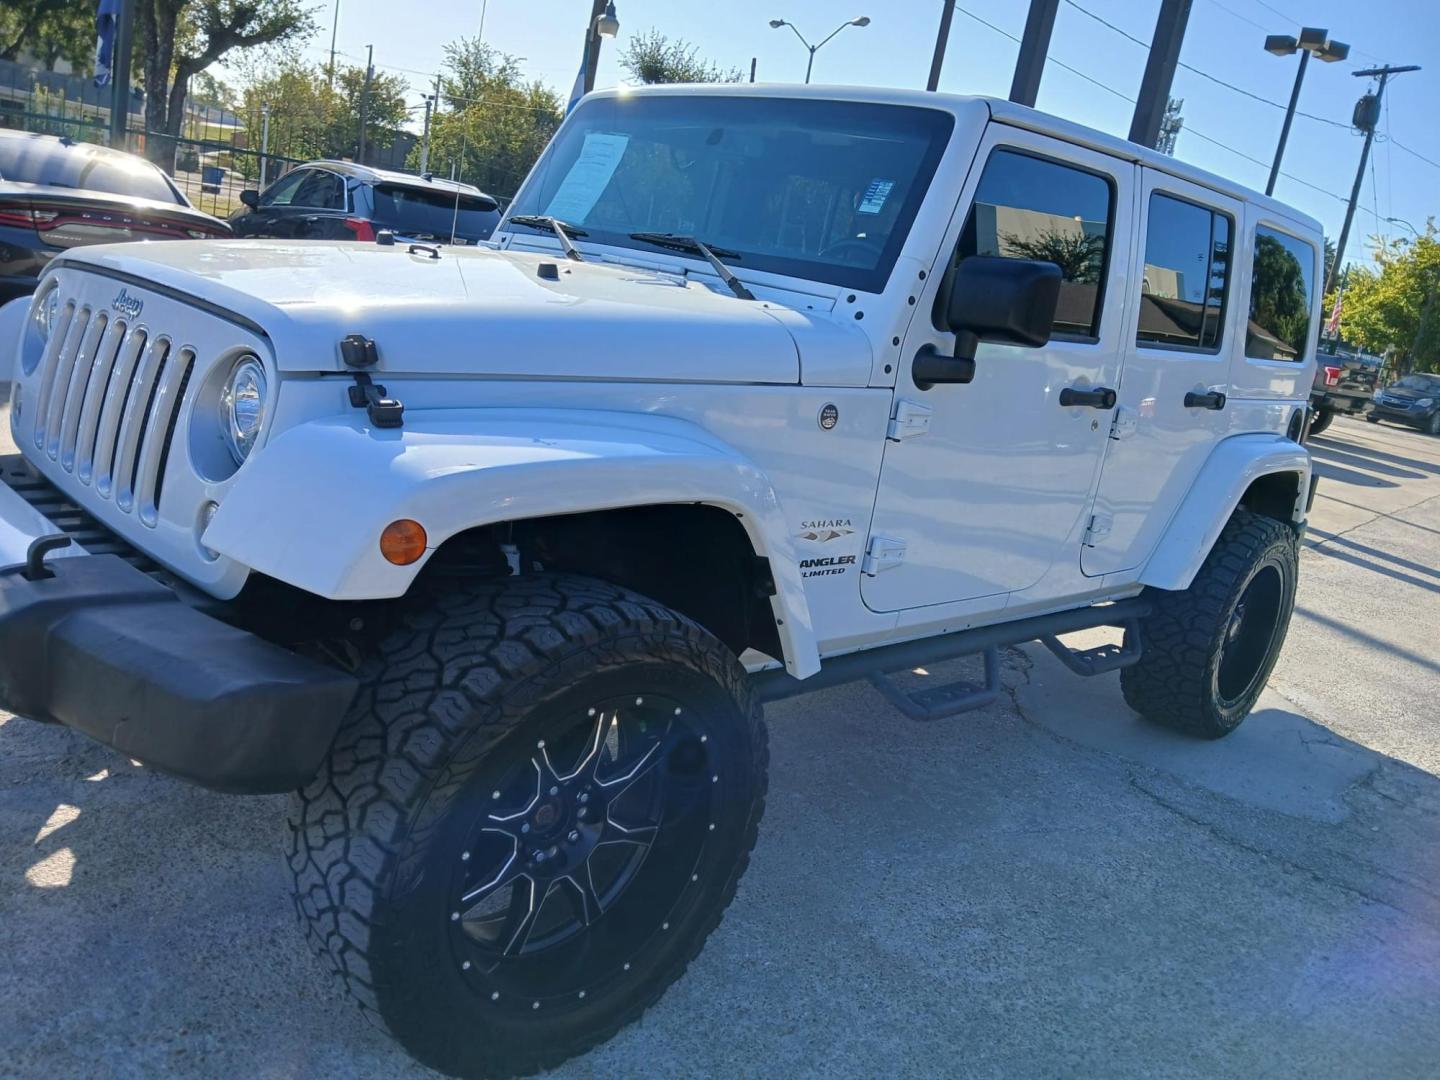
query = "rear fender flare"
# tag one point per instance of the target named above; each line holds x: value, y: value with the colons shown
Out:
x: 309, y: 508
x: 1234, y: 464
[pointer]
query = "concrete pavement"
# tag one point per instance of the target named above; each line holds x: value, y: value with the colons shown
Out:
x: 1046, y: 887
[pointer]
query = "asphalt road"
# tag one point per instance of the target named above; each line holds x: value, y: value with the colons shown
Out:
x: 1046, y: 887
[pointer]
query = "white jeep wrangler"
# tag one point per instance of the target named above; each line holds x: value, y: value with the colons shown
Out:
x: 494, y: 554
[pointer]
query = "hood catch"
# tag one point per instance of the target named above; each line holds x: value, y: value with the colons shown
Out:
x: 359, y: 354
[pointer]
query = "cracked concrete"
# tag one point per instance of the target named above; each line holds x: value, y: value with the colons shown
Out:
x: 1044, y: 887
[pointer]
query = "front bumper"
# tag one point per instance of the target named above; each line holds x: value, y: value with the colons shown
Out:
x: 1413, y: 417
x: 97, y: 645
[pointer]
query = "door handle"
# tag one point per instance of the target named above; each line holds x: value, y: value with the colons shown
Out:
x: 1102, y: 397
x: 1212, y: 400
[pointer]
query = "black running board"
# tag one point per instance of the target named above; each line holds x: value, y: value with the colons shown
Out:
x: 877, y: 665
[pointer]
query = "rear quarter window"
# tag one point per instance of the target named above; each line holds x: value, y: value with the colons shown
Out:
x: 432, y: 214
x: 1282, y: 284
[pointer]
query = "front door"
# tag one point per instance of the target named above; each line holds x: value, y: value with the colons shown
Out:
x: 1172, y: 391
x: 998, y: 488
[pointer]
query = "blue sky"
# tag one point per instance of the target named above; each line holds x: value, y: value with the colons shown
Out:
x: 1224, y: 39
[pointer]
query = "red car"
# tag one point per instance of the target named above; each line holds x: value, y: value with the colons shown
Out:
x: 56, y: 194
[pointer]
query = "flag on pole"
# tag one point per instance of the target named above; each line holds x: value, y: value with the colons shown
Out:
x: 578, y: 90
x: 1332, y: 325
x: 107, y: 14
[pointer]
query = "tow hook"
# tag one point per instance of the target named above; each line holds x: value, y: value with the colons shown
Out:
x: 360, y: 354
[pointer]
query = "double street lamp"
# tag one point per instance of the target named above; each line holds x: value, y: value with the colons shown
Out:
x: 1311, y: 40
x: 775, y: 24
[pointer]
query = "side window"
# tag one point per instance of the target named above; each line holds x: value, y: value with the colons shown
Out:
x: 1187, y: 269
x: 1281, y: 285
x: 282, y: 192
x: 321, y: 190
x: 1032, y: 208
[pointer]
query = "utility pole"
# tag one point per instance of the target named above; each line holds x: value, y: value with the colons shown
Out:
x: 425, y: 138
x: 1159, y: 72
x: 365, y: 102
x: 334, y: 29
x: 752, y: 68
x: 1369, y: 121
x: 1034, y: 44
x: 120, y: 73
x: 947, y: 15
x: 264, y: 141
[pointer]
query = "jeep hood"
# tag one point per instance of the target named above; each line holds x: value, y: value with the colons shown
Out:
x: 472, y: 310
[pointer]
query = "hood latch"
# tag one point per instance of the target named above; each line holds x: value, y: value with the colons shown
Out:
x: 360, y: 354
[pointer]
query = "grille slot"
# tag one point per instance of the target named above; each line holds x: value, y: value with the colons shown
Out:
x: 108, y: 405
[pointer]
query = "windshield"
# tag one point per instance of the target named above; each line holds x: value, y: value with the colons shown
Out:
x: 430, y: 214
x: 1427, y: 383
x: 822, y: 190
x: 40, y: 160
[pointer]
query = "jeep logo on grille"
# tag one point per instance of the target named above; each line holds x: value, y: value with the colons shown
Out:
x: 127, y: 305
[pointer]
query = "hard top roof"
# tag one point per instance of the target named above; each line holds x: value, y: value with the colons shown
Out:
x: 1005, y: 112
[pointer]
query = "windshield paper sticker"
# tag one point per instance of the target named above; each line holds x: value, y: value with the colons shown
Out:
x: 875, y: 196
x: 583, y: 184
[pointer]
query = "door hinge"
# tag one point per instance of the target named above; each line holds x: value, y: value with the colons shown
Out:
x: 1098, y: 529
x: 883, y: 554
x: 910, y: 419
x: 1124, y: 423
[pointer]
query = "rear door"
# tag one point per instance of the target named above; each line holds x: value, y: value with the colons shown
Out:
x: 1180, y: 335
x: 995, y: 489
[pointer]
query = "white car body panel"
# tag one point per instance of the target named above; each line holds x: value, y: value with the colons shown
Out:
x: 456, y: 469
x: 12, y: 323
x: 1231, y: 468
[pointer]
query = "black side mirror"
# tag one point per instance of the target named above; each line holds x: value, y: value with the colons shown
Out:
x: 250, y: 198
x: 988, y: 298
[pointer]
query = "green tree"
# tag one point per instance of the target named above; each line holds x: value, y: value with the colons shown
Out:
x: 311, y: 119
x: 49, y: 30
x: 491, y: 124
x: 1397, y: 303
x: 1079, y: 254
x: 181, y: 38
x: 652, y: 57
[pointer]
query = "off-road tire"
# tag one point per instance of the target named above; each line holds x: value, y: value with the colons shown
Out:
x: 373, y: 837
x: 1320, y: 420
x: 1176, y: 683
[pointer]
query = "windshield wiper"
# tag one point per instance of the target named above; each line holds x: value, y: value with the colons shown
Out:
x: 689, y: 243
x: 563, y: 231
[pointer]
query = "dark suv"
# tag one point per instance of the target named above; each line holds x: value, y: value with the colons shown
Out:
x: 339, y: 200
x: 1414, y: 400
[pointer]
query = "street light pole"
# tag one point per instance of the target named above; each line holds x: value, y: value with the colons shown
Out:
x: 775, y: 24
x: 603, y: 23
x: 1311, y: 40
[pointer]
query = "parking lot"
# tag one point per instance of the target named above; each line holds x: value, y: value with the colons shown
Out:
x: 1045, y: 887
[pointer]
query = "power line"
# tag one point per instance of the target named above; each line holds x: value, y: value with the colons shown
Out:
x: 1202, y: 73
x: 1413, y: 153
x: 1190, y: 129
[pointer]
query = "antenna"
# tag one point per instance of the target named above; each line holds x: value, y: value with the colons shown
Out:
x: 455, y: 218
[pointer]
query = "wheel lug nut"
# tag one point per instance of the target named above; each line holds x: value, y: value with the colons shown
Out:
x: 524, y: 828
x: 554, y: 791
x: 539, y: 856
x: 574, y: 837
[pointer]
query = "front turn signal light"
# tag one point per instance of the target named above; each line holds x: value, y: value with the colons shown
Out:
x: 403, y: 542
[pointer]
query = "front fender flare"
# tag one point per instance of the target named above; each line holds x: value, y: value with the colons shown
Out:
x: 309, y: 508
x: 1234, y: 464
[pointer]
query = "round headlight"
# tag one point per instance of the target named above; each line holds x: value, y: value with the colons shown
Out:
x: 242, y: 407
x: 1424, y: 403
x: 43, y: 314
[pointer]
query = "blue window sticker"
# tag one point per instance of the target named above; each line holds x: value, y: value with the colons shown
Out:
x: 875, y: 195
